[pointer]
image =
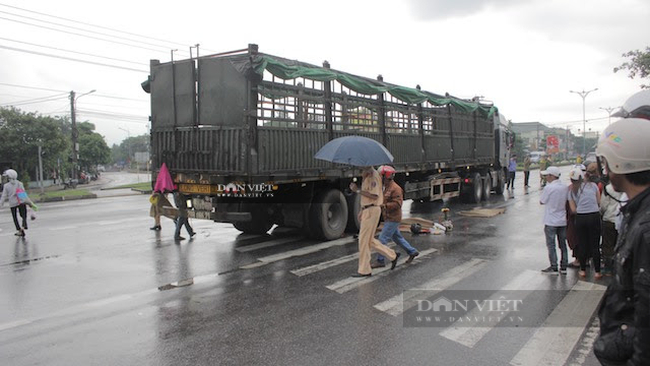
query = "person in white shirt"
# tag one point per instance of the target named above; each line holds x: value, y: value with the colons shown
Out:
x: 554, y: 198
x: 585, y: 204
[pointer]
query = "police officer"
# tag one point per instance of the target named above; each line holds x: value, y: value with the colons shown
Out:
x: 372, y: 199
x: 624, y: 313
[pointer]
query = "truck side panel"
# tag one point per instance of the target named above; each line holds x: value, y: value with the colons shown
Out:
x: 223, y: 93
x: 172, y: 98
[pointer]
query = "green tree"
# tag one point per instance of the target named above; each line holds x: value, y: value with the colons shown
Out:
x: 638, y: 65
x: 20, y: 135
x: 93, y: 150
x: 126, y: 150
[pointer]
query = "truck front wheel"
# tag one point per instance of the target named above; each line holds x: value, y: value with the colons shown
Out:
x: 328, y: 215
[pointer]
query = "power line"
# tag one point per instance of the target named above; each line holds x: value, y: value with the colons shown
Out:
x: 32, y: 87
x: 82, y: 35
x: 71, y: 59
x: 100, y: 112
x: 96, y: 26
x: 70, y: 51
x: 83, y: 30
x: 38, y: 100
x: 121, y: 98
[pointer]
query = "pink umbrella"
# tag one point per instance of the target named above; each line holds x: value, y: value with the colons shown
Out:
x: 164, y: 181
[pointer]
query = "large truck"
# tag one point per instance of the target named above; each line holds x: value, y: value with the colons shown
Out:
x: 239, y: 131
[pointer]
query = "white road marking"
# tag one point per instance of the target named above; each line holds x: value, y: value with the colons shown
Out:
x: 298, y: 252
x: 267, y: 244
x: 398, y: 304
x: 470, y: 336
x: 351, y: 283
x: 552, y: 344
x: 324, y: 265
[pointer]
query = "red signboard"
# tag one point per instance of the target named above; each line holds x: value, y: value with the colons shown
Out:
x: 552, y: 144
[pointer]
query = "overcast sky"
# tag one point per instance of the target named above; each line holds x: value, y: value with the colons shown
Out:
x: 524, y: 55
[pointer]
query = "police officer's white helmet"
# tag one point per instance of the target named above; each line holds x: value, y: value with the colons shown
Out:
x: 624, y: 144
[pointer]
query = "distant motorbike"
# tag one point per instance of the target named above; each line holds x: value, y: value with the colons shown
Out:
x: 70, y: 184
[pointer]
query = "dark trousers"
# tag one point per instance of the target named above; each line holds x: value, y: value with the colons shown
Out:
x: 526, y: 176
x: 511, y: 179
x: 588, y: 232
x: 22, y: 209
x: 609, y: 242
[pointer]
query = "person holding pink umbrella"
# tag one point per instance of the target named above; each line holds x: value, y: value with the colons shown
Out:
x: 158, y: 199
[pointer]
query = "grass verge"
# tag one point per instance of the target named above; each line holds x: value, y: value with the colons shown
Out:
x: 139, y: 186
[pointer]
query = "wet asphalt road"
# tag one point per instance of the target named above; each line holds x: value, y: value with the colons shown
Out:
x: 92, y: 285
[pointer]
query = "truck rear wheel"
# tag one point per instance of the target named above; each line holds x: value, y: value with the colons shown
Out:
x: 487, y: 187
x: 474, y: 192
x: 328, y: 215
x: 501, y: 182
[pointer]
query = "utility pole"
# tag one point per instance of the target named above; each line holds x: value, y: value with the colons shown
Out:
x: 75, y: 133
x: 583, y: 94
x: 40, y: 165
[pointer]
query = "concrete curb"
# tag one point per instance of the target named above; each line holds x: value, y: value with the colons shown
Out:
x: 64, y: 198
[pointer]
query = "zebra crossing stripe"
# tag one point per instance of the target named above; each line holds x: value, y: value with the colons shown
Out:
x: 470, y: 336
x: 398, y: 304
x: 331, y: 263
x: 267, y: 244
x: 552, y: 344
x: 298, y: 252
x: 351, y: 283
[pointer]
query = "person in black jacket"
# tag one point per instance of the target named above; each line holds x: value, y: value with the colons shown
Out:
x: 181, y: 203
x: 625, y: 310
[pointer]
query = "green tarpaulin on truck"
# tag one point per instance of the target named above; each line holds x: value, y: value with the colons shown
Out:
x: 286, y: 69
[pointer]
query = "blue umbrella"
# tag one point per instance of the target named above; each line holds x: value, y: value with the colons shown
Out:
x: 355, y: 150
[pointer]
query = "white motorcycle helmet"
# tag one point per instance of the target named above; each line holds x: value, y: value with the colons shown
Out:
x: 10, y: 173
x: 624, y: 144
x: 636, y: 106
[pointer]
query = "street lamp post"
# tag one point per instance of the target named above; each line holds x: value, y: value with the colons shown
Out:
x: 609, y: 111
x: 583, y: 94
x: 75, y: 133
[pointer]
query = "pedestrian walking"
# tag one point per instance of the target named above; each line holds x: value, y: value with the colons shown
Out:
x: 158, y: 201
x: 181, y: 203
x: 392, y: 211
x: 371, y: 200
x: 526, y: 170
x: 512, y: 170
x: 554, y: 197
x: 610, y: 209
x: 624, y: 312
x: 14, y: 192
x: 585, y: 204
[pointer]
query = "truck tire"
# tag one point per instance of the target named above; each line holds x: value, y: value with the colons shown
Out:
x: 354, y: 207
x: 487, y: 186
x: 328, y: 215
x: 501, y: 182
x: 474, y: 192
x: 259, y: 224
